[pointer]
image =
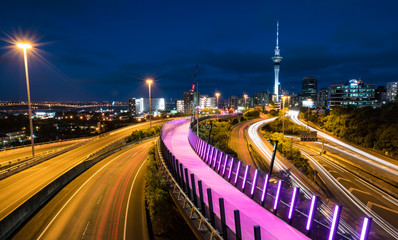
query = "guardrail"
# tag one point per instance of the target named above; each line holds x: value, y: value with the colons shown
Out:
x: 211, y: 204
x: 27, y: 163
x: 286, y: 203
x: 195, y: 214
x: 11, y: 223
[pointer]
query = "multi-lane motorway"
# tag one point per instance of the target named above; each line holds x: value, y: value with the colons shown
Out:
x: 347, y: 188
x: 19, y: 187
x: 105, y: 202
x: 26, y: 152
x: 238, y: 144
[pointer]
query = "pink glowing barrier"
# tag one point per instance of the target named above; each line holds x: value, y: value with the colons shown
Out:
x: 256, y: 185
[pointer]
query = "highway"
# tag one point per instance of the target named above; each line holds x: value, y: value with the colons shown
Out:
x: 19, y: 187
x: 23, y: 153
x: 307, y: 187
x: 345, y: 188
x: 238, y: 143
x: 104, y: 202
x: 355, y: 194
x: 381, y: 167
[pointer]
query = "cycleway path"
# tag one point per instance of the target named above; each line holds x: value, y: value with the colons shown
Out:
x: 272, y: 227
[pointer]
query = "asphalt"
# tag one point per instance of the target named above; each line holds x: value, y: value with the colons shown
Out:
x: 26, y: 152
x: 104, y: 202
x: 238, y: 143
x: 19, y: 187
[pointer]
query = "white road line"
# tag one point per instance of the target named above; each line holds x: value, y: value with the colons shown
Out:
x: 84, y: 233
x: 128, y: 201
x: 99, y: 200
x: 78, y: 190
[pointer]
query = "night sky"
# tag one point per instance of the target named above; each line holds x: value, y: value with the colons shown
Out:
x: 103, y: 50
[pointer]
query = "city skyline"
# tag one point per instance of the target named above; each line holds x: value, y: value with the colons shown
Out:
x: 102, y: 52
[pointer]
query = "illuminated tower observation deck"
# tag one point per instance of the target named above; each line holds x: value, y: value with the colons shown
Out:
x: 277, y: 59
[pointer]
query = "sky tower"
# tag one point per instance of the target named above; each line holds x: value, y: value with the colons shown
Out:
x: 277, y: 59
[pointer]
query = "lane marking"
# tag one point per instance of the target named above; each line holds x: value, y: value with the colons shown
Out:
x: 99, y: 200
x: 390, y: 199
x: 78, y: 190
x: 344, y: 179
x: 358, y: 190
x: 85, y: 229
x: 128, y: 200
x: 371, y: 204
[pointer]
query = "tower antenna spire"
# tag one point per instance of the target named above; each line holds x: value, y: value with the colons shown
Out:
x: 277, y: 59
x: 277, y: 34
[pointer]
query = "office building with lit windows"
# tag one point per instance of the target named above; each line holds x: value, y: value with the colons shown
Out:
x: 353, y: 93
x: 392, y: 91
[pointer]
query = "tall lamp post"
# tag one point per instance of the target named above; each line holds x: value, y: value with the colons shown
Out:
x: 309, y: 100
x: 283, y: 117
x: 245, y: 96
x: 217, y: 96
x: 25, y: 46
x: 149, y: 81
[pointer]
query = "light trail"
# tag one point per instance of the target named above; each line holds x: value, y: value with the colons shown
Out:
x: 359, y: 204
x: 296, y: 182
x: 377, y: 162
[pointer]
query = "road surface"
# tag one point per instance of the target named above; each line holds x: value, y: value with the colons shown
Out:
x: 381, y: 167
x: 26, y: 152
x: 238, y: 143
x: 298, y: 180
x: 19, y: 187
x: 353, y: 193
x: 105, y: 202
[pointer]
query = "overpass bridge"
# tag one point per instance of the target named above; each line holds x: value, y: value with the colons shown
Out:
x: 242, y: 202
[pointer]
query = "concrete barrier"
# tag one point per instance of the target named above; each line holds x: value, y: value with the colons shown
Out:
x: 14, y: 220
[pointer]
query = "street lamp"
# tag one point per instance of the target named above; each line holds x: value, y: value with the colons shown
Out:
x: 283, y: 117
x: 25, y: 46
x: 309, y: 100
x: 217, y: 95
x: 149, y: 81
x: 245, y: 96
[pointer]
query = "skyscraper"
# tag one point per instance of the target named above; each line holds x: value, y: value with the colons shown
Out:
x: 310, y: 87
x: 277, y: 59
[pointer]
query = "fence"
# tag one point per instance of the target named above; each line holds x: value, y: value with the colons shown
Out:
x: 286, y: 203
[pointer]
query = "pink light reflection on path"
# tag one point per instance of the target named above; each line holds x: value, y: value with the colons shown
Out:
x: 177, y: 142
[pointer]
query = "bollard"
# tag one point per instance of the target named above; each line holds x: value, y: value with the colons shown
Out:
x: 202, y: 202
x: 210, y: 200
x: 238, y: 231
x: 223, y: 221
x: 182, y: 177
x: 257, y: 232
x: 186, y: 181
x: 193, y: 189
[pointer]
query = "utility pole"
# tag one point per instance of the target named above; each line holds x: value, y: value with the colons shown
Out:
x: 197, y: 100
x: 197, y: 109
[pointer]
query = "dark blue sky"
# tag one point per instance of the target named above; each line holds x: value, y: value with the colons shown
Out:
x: 103, y: 50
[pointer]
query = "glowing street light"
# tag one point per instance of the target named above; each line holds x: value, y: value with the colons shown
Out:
x: 283, y: 117
x: 245, y: 96
x: 217, y: 95
x: 309, y: 100
x: 149, y: 81
x: 25, y: 46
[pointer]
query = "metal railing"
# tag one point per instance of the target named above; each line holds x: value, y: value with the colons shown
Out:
x: 303, y: 214
x: 194, y: 213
